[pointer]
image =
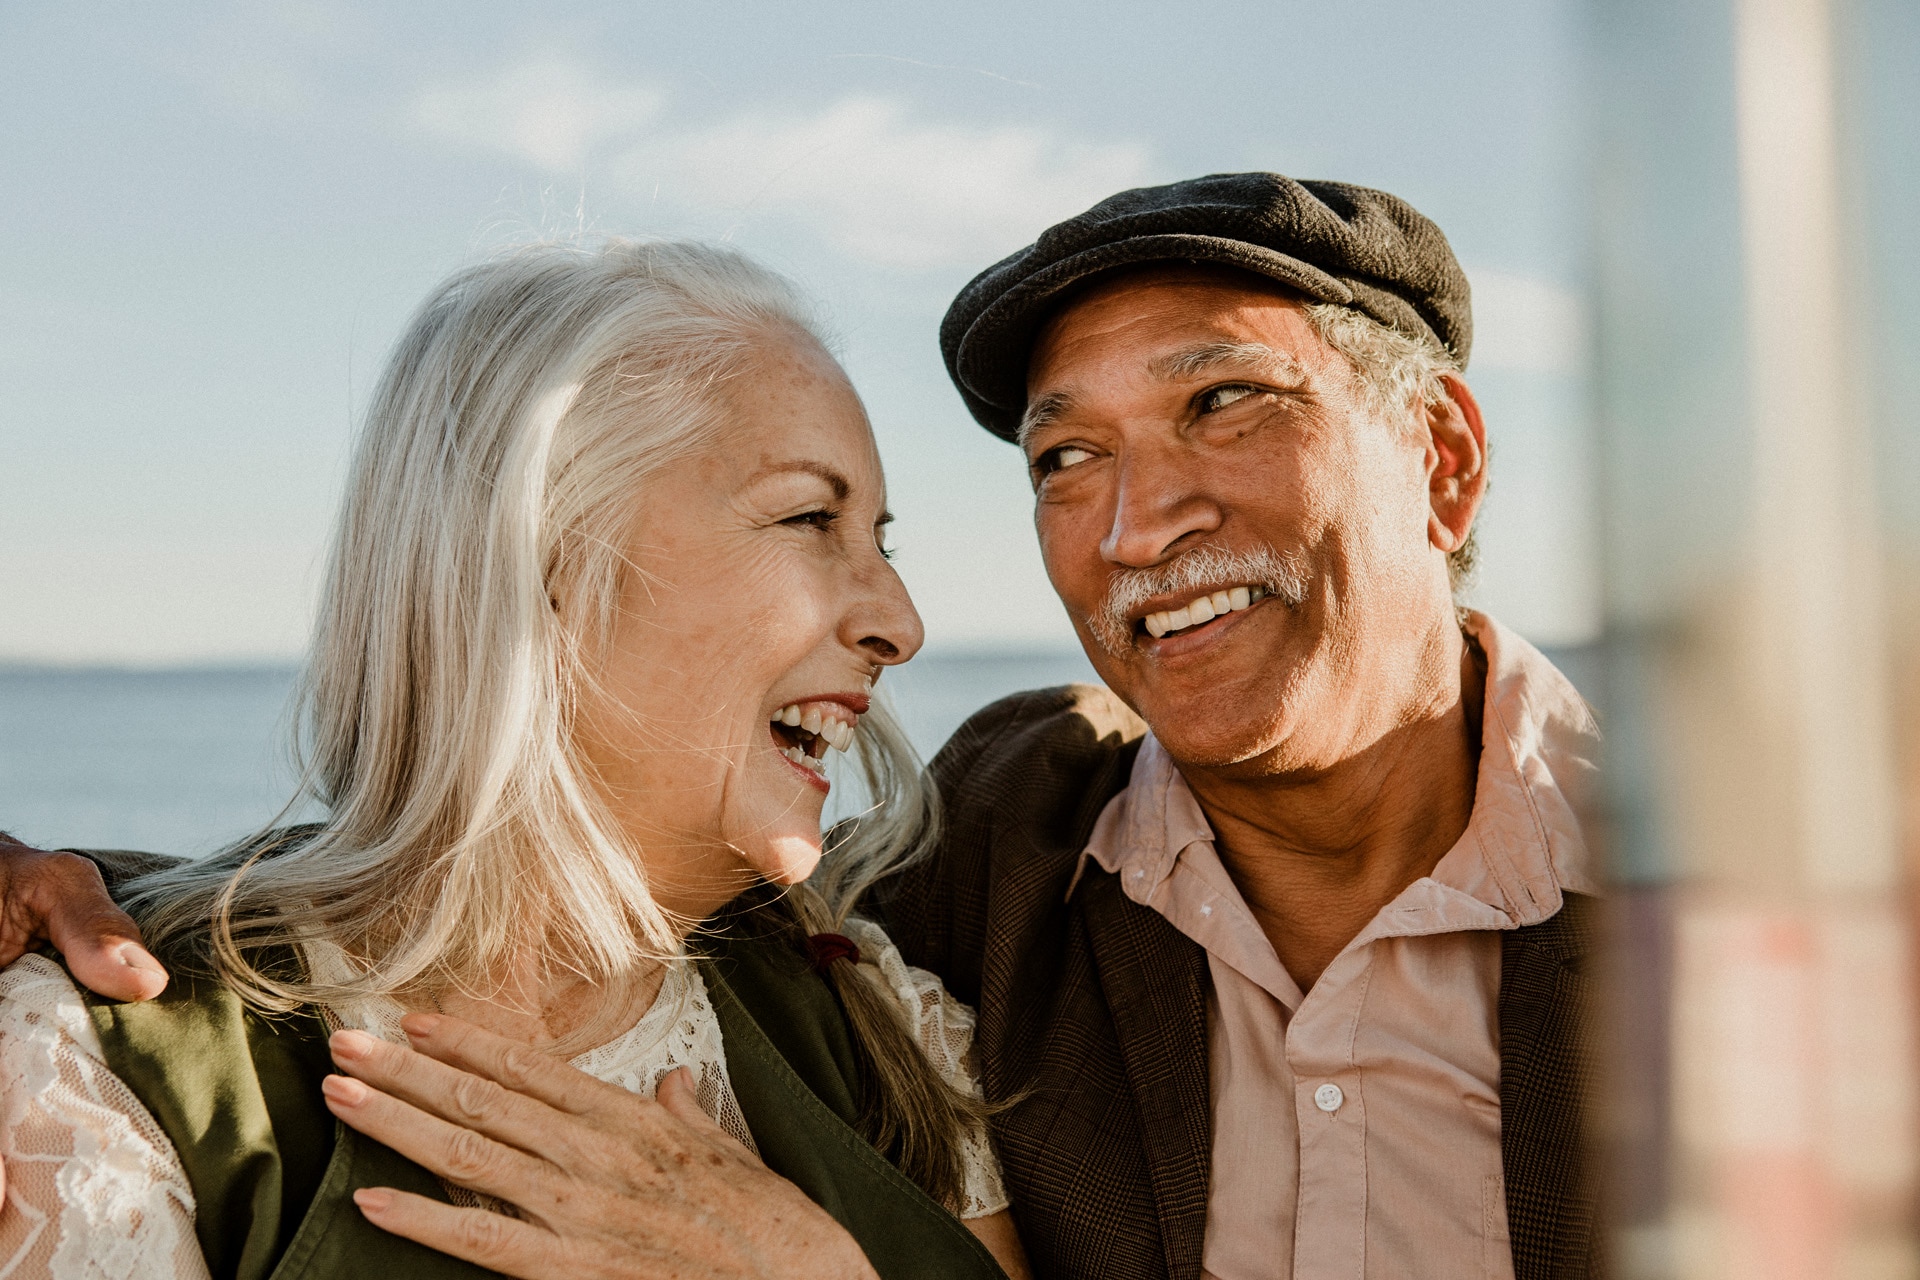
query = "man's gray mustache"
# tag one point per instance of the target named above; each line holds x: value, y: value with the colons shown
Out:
x: 1205, y: 568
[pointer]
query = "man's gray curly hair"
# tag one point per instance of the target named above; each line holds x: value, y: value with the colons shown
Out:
x: 1395, y: 370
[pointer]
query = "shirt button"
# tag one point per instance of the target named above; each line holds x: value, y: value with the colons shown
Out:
x: 1328, y: 1098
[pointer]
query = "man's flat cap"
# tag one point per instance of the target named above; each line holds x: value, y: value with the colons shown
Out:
x: 1331, y: 241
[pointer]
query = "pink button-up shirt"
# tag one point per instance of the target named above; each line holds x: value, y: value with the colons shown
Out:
x: 1356, y: 1129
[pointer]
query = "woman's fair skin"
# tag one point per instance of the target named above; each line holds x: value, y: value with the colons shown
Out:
x: 756, y: 581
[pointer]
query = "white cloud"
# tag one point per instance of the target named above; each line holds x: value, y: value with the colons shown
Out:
x: 867, y: 175
x: 1527, y: 324
x: 887, y: 187
x: 548, y: 111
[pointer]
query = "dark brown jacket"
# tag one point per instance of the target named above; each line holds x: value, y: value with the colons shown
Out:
x: 1093, y: 1012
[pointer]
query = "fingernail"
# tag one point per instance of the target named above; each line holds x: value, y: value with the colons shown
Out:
x: 351, y: 1045
x: 420, y: 1025
x: 344, y: 1090
x: 135, y: 956
x: 373, y: 1199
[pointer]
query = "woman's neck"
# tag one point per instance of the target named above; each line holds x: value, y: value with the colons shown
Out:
x: 560, y: 1013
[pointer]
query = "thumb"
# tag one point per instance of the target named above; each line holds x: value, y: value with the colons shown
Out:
x: 106, y: 957
x: 681, y: 1101
x: 99, y: 941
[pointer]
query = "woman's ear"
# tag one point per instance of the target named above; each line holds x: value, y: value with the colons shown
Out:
x: 1456, y: 464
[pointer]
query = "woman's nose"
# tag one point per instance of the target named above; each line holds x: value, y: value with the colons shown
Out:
x: 887, y: 628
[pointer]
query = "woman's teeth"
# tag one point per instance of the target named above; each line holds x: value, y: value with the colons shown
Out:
x: 817, y: 726
x: 1202, y: 609
x: 799, y: 756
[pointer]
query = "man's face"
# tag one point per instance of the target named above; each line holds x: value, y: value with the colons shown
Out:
x: 1191, y: 437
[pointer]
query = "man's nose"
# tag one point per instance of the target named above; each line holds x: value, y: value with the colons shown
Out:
x: 1158, y: 506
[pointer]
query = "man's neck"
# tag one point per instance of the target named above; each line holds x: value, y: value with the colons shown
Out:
x: 1317, y: 854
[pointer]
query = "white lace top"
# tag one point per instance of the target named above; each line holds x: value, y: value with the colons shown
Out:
x: 95, y: 1190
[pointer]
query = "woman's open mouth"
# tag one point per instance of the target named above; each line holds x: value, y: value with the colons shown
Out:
x: 804, y: 732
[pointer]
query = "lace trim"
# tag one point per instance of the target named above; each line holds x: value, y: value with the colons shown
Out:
x: 944, y: 1028
x: 95, y: 1190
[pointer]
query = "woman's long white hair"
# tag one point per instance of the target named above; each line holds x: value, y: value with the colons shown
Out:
x: 475, y: 572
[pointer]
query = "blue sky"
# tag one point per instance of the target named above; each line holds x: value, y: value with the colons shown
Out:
x: 218, y: 216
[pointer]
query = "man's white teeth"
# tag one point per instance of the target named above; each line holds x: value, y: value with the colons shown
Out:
x: 821, y: 721
x: 1201, y: 609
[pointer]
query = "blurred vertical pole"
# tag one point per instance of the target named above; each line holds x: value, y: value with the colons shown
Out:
x: 1754, y: 816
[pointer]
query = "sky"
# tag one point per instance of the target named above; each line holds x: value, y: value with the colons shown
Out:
x: 217, y: 217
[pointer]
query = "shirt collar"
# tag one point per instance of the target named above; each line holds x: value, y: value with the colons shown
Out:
x: 1523, y: 845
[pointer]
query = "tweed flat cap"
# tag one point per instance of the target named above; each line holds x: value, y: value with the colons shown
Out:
x: 1332, y: 241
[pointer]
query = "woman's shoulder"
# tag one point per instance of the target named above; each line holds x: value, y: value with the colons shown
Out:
x: 91, y: 1175
x: 43, y: 1007
x: 943, y: 1027
x: 941, y: 1023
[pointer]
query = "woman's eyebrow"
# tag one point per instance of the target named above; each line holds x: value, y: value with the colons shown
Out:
x: 840, y: 485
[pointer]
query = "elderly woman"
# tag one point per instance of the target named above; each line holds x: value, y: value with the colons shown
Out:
x: 608, y: 593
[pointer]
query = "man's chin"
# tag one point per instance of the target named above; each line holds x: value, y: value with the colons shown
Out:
x: 1215, y: 718
x: 1217, y: 750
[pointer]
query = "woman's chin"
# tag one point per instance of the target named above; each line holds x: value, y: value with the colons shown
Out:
x: 790, y: 858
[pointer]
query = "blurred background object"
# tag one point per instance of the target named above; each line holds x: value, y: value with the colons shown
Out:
x: 1757, y: 177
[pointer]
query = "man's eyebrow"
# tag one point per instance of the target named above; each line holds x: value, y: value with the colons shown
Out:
x: 838, y: 483
x: 1191, y: 362
x: 1040, y: 413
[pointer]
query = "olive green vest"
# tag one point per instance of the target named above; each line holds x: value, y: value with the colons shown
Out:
x: 273, y: 1173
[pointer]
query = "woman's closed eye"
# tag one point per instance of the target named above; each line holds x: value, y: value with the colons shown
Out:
x: 821, y: 518
x: 827, y: 520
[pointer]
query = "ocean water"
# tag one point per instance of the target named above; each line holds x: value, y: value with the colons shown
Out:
x: 186, y: 761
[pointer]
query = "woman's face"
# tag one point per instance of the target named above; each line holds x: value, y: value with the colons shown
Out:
x: 756, y: 594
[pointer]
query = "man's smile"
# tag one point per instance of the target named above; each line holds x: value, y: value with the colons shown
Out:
x: 1200, y: 610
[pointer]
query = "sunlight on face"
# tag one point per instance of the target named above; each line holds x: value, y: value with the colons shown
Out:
x: 1180, y: 411
x: 757, y: 611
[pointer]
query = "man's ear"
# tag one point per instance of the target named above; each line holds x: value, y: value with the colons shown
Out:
x: 1456, y: 464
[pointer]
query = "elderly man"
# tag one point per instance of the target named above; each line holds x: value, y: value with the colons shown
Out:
x: 1280, y: 947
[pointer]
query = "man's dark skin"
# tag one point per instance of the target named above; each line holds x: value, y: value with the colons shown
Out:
x: 1331, y: 744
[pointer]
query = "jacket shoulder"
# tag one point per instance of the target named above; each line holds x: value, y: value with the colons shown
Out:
x: 1044, y: 738
x: 1021, y: 784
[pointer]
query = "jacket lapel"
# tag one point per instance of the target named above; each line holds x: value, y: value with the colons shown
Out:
x: 1155, y: 981
x: 1546, y: 1068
